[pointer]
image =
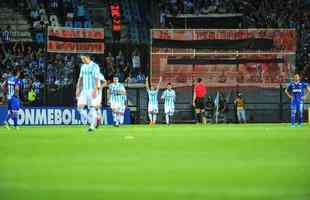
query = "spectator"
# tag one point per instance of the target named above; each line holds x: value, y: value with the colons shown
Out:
x: 136, y: 62
x: 223, y: 108
x: 240, y: 107
x: 6, y: 36
x: 209, y: 109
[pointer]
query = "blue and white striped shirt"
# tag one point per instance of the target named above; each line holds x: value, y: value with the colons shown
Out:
x: 153, y: 97
x: 116, y: 90
x: 169, y: 97
x: 89, y: 72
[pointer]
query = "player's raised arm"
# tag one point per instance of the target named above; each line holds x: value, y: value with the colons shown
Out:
x: 4, y: 84
x: 147, y: 83
x: 158, y: 85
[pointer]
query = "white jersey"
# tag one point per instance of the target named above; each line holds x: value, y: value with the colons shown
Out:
x: 89, y: 73
x: 101, y: 83
x: 169, y: 98
x: 116, y: 93
x: 153, y: 101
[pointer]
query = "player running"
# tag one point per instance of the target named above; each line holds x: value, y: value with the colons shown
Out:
x: 87, y: 89
x: 153, y: 101
x: 103, y: 83
x: 295, y: 91
x: 169, y: 97
x: 13, y: 84
x: 117, y: 91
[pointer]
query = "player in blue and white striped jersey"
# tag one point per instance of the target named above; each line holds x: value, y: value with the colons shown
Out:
x: 123, y: 107
x: 117, y: 91
x: 13, y: 84
x: 102, y: 83
x: 153, y: 100
x: 87, y: 90
x: 169, y: 98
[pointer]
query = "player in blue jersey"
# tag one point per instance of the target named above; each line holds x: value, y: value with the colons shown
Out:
x: 87, y: 89
x: 117, y: 91
x: 169, y: 98
x: 296, y: 92
x: 153, y: 100
x: 13, y: 84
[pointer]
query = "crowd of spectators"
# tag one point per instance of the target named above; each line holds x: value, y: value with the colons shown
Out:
x: 257, y: 14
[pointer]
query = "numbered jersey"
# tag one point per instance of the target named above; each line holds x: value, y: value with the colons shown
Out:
x: 169, y: 97
x: 116, y: 93
x: 12, y: 84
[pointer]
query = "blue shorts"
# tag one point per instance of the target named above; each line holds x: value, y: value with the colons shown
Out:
x: 14, y: 103
x: 297, y: 106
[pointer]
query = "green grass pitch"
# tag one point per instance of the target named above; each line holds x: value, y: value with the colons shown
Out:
x: 215, y: 162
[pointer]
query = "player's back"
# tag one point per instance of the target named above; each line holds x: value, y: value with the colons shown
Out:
x: 12, y: 82
x: 169, y: 96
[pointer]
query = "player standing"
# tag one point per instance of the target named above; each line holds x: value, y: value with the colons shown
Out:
x: 295, y: 91
x: 117, y: 91
x: 153, y: 100
x: 169, y: 97
x: 198, y: 101
x: 123, y: 108
x: 102, y: 83
x: 13, y: 84
x: 87, y: 90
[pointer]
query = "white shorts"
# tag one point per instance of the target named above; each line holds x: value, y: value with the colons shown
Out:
x: 86, y: 98
x: 169, y: 110
x: 153, y: 108
x: 117, y: 107
x: 122, y: 109
x: 99, y: 100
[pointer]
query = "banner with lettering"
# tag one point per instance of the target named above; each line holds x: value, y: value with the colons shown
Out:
x: 56, y: 116
x: 75, y: 40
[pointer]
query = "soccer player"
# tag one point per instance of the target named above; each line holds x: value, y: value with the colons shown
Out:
x: 295, y: 91
x: 123, y: 108
x: 117, y: 91
x: 153, y: 101
x: 198, y: 101
x: 169, y: 97
x: 13, y: 84
x: 103, y: 83
x: 87, y: 89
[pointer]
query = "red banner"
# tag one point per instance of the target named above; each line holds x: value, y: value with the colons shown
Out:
x: 75, y: 40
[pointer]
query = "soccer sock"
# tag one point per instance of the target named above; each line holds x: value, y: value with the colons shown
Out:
x: 151, y: 117
x: 122, y: 118
x: 154, y: 118
x: 15, y: 118
x: 114, y: 117
x: 167, y: 118
x: 293, y: 113
x: 198, y: 117
x: 92, y: 117
x: 9, y: 116
x: 300, y: 117
x: 99, y: 118
x: 83, y: 114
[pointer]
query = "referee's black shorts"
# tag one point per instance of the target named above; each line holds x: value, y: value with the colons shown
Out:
x: 199, y: 103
